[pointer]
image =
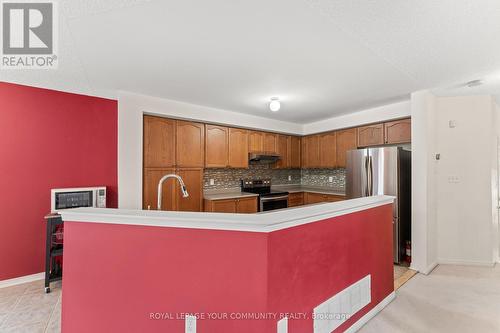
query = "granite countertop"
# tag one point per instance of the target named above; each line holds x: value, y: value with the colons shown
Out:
x: 313, y: 189
x: 226, y: 194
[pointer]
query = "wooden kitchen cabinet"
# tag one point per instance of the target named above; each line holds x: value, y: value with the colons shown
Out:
x: 295, y: 199
x: 346, y: 140
x: 158, y: 142
x: 172, y: 196
x: 238, y: 148
x: 193, y: 179
x: 398, y: 131
x: 220, y: 206
x: 151, y: 178
x: 312, y: 198
x: 246, y: 205
x: 216, y: 146
x: 190, y: 144
x: 371, y: 135
x: 255, y: 141
x: 283, y: 149
x: 310, y: 152
x: 327, y: 150
x: 270, y: 142
x: 295, y: 152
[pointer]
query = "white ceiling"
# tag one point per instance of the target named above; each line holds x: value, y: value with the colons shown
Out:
x: 321, y: 57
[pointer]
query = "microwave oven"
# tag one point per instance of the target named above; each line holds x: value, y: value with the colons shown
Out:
x: 66, y: 198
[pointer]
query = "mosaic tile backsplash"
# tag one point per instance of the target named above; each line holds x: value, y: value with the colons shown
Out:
x: 230, y: 178
x: 320, y: 177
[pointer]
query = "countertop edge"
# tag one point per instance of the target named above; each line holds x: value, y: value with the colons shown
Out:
x: 262, y: 222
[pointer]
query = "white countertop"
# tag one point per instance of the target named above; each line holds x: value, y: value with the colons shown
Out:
x: 261, y: 222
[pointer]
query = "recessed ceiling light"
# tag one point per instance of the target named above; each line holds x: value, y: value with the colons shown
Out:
x: 474, y: 83
x: 275, y: 104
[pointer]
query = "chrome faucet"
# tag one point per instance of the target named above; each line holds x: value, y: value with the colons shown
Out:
x: 185, y: 193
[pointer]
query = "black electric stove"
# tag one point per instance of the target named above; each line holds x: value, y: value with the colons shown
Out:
x: 268, y: 199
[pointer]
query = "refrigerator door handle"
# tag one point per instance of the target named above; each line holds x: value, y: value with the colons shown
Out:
x: 367, y: 174
x: 370, y: 176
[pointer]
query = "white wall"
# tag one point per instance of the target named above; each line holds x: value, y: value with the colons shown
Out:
x: 424, y: 222
x: 455, y: 219
x: 465, y: 227
x: 373, y: 115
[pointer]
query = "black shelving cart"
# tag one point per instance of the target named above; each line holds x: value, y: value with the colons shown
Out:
x: 53, y: 249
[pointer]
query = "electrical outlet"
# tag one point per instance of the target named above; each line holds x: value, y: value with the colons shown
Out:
x: 289, y: 178
x: 212, y: 181
x: 453, y: 179
x: 190, y: 324
x: 330, y: 179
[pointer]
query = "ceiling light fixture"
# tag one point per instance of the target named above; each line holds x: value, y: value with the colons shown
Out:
x: 474, y: 83
x: 275, y: 104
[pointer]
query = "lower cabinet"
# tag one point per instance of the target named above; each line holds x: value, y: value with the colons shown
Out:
x: 172, y: 198
x: 295, y: 199
x: 238, y: 205
x: 312, y: 198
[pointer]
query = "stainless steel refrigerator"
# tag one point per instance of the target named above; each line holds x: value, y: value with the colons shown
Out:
x: 377, y: 171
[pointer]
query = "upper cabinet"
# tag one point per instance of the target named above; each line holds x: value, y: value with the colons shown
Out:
x: 295, y: 150
x: 346, y: 140
x: 270, y: 142
x: 310, y: 151
x: 238, y: 148
x: 327, y: 150
x: 190, y: 144
x: 216, y: 146
x: 159, y: 142
x: 255, y: 141
x: 398, y: 131
x: 283, y: 149
x: 371, y: 135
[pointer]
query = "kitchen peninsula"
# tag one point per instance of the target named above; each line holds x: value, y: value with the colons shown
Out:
x: 138, y: 270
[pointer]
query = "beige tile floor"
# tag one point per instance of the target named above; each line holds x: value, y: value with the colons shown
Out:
x: 454, y: 299
x: 26, y: 308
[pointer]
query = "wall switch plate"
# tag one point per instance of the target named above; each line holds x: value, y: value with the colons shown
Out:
x: 289, y: 178
x: 330, y: 179
x: 190, y: 324
x: 211, y: 181
x: 282, y: 325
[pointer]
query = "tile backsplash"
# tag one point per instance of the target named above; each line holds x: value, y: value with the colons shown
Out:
x: 230, y: 178
x: 320, y: 177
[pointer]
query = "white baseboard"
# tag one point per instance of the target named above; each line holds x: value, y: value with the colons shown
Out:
x: 22, y: 279
x: 429, y: 268
x: 465, y: 262
x: 372, y: 313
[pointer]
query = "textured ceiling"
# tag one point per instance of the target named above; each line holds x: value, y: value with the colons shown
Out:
x: 321, y: 57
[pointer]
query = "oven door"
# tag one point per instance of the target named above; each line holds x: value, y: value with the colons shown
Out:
x: 271, y: 203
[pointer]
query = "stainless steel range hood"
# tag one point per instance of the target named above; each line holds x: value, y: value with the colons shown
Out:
x: 263, y: 157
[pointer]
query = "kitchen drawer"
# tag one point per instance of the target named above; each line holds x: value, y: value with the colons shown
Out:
x: 295, y: 199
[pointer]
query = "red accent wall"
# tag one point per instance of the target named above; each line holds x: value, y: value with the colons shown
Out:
x: 48, y: 139
x: 132, y: 271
